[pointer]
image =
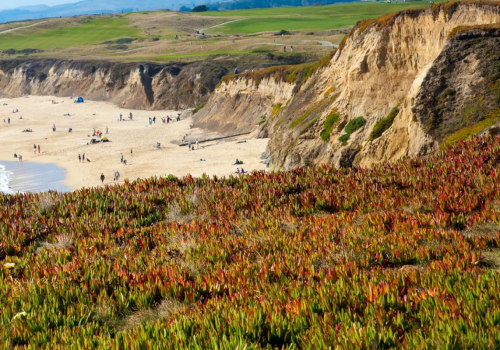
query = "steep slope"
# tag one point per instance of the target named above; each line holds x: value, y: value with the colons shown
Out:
x: 395, y: 63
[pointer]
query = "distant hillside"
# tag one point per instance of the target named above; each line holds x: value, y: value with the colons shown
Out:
x: 93, y: 7
x: 87, y: 7
x: 252, y: 4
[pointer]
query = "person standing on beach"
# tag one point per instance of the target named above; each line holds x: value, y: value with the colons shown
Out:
x: 38, y: 149
x: 20, y: 157
x: 102, y: 177
x: 54, y: 127
x: 34, y: 148
x: 83, y: 157
x: 121, y: 157
x: 79, y: 158
x: 8, y: 120
x: 131, y: 152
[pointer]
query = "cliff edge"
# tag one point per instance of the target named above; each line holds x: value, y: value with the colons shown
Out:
x: 400, y: 85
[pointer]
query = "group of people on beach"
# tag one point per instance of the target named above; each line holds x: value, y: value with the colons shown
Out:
x: 81, y: 158
x: 191, y: 147
x: 130, y: 117
x: 117, y: 176
x: 98, y: 132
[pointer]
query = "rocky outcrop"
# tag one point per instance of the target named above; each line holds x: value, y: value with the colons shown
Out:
x: 414, y: 62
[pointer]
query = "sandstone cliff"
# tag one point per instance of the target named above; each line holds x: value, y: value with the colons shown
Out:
x: 398, y: 86
x: 132, y: 85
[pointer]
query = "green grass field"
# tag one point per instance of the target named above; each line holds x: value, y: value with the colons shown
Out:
x: 169, y: 57
x: 91, y: 32
x: 80, y: 36
x: 305, y: 18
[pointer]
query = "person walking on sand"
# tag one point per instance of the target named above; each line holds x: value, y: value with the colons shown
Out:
x: 83, y: 157
x: 8, y: 120
x: 117, y: 175
x: 79, y: 158
x: 54, y: 127
x: 131, y: 152
x: 121, y: 157
x: 34, y: 148
x: 102, y: 177
x: 38, y: 149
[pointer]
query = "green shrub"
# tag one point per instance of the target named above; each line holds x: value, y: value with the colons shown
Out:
x: 309, y: 124
x: 354, y: 125
x: 384, y: 124
x: 300, y: 119
x: 200, y: 106
x: 276, y: 109
x: 262, y: 119
x: 344, y: 138
x: 469, y: 131
x: 330, y: 121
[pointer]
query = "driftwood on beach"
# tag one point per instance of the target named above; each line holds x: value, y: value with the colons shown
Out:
x: 185, y: 143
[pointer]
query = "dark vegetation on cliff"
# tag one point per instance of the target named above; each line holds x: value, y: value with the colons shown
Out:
x: 462, y: 89
x: 400, y: 256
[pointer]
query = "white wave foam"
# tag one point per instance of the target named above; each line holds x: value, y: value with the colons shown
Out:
x: 5, y: 180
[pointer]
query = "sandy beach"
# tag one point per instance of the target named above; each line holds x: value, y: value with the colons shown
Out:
x: 40, y: 113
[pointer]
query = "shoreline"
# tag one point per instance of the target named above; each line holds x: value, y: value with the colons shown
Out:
x: 62, y: 147
x: 32, y: 177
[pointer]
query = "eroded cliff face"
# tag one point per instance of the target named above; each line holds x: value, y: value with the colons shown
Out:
x: 394, y: 62
x: 131, y: 85
x: 241, y: 104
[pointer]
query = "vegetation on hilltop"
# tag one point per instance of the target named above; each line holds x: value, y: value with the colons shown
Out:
x: 400, y: 256
x: 448, y: 7
x: 310, y: 18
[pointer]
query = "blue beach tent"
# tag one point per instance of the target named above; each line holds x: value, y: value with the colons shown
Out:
x: 79, y: 100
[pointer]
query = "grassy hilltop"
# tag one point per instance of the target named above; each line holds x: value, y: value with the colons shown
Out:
x: 151, y: 35
x: 404, y: 255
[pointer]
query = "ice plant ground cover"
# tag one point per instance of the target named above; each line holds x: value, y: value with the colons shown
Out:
x: 402, y: 255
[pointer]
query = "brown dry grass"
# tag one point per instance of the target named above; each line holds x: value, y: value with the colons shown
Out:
x: 165, y: 309
x: 491, y: 259
x: 62, y: 242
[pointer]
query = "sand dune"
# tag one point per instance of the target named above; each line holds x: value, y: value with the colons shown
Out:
x: 62, y: 147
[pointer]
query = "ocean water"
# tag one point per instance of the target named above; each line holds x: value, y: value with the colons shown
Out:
x: 31, y: 177
x: 5, y: 177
